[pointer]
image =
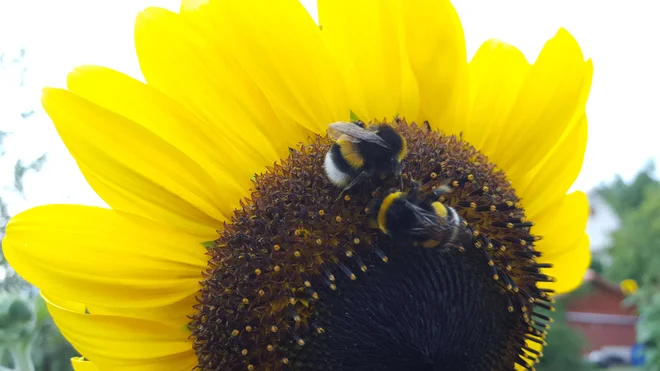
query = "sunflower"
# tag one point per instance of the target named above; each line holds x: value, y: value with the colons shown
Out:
x: 225, y: 247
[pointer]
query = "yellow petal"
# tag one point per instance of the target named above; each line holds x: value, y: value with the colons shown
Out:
x: 278, y: 45
x: 496, y: 74
x: 175, y: 314
x: 562, y: 225
x: 114, y: 342
x: 366, y: 39
x: 533, y: 345
x: 547, y: 101
x: 135, y: 170
x: 552, y: 178
x: 103, y: 257
x: 82, y: 364
x: 568, y: 268
x: 435, y: 47
x: 210, y: 83
x: 209, y: 146
x: 564, y: 243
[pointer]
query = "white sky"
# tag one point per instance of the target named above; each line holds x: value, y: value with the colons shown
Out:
x: 59, y: 35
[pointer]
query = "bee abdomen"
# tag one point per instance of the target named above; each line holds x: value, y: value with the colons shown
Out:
x: 337, y: 169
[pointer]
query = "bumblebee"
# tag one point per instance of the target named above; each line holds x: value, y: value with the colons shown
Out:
x: 360, y: 152
x: 419, y: 218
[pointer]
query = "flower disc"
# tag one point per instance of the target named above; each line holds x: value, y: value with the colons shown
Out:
x: 299, y: 280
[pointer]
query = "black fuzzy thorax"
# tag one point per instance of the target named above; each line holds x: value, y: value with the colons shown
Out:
x: 378, y: 159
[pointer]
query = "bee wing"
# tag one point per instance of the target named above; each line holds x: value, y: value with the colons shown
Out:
x: 427, y: 223
x: 355, y: 134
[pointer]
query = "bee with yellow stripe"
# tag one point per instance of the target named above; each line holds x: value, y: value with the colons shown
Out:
x: 419, y: 218
x: 360, y: 152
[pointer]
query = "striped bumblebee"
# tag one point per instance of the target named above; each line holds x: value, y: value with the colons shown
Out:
x: 419, y: 218
x: 360, y: 152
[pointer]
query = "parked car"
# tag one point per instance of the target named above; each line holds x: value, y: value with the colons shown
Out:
x: 610, y: 356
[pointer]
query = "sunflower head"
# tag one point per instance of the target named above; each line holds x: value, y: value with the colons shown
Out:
x: 300, y: 278
x: 228, y: 141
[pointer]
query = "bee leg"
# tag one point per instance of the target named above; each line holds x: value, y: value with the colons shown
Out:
x: 414, y: 189
x: 355, y: 181
x: 398, y: 170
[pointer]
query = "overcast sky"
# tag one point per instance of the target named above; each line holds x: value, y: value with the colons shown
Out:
x: 59, y: 35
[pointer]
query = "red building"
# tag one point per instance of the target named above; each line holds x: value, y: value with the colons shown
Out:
x: 601, y: 316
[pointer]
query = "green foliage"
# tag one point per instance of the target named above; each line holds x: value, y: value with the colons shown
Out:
x: 647, y: 301
x: 634, y: 248
x: 623, y: 197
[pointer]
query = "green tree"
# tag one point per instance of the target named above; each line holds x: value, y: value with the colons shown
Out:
x: 626, y: 197
x: 635, y: 248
